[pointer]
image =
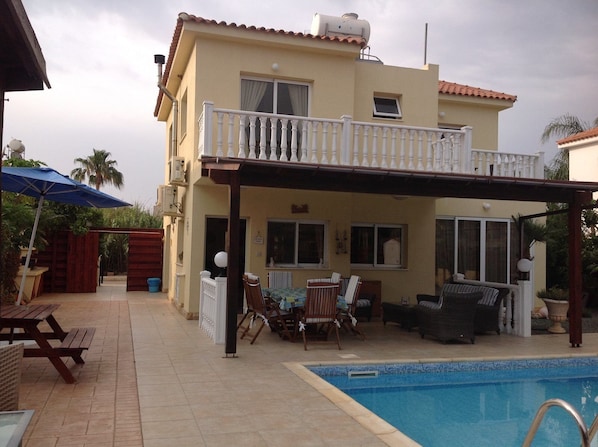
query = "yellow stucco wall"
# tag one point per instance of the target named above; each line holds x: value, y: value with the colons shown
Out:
x: 456, y: 111
x: 210, y: 68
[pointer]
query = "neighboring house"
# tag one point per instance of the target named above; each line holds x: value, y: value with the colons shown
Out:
x: 583, y: 155
x: 320, y: 153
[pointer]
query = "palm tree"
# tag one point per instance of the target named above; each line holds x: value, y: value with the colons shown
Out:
x: 564, y: 126
x: 98, y: 169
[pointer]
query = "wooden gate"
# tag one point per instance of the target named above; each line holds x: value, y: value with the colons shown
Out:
x: 145, y: 258
x: 73, y: 260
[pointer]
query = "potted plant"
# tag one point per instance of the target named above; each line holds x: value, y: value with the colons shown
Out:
x: 557, y: 303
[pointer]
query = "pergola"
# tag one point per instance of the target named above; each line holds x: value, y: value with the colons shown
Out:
x: 249, y: 172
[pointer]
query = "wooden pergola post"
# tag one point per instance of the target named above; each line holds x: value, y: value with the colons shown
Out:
x: 233, y: 241
x: 575, y: 269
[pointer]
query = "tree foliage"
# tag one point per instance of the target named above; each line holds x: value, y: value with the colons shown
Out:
x: 98, y: 170
x: 557, y: 238
x: 564, y: 126
x: 18, y: 215
x: 115, y: 246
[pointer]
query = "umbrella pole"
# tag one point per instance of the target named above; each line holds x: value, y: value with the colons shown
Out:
x: 31, y: 241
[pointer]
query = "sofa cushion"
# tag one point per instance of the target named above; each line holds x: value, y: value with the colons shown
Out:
x: 430, y: 304
x: 489, y: 294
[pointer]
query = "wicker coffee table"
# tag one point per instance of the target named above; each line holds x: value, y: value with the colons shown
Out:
x: 403, y: 314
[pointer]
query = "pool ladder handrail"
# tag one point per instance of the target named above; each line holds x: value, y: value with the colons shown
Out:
x: 586, y: 436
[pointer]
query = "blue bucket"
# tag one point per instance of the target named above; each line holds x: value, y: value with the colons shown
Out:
x: 154, y: 284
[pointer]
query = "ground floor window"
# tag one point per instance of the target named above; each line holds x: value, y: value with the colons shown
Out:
x: 378, y: 245
x: 296, y: 243
x: 478, y: 248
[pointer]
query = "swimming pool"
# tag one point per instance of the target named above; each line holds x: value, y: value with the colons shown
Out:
x: 474, y: 403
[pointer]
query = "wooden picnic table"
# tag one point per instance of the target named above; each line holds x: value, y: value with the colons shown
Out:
x: 28, y: 319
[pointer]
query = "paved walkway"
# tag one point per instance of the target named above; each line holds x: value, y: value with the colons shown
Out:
x: 152, y: 378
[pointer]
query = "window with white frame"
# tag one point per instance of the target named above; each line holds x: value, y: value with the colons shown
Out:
x: 379, y: 245
x: 296, y: 243
x: 387, y: 107
x: 478, y: 248
x: 274, y: 96
x: 277, y: 97
x: 184, y: 114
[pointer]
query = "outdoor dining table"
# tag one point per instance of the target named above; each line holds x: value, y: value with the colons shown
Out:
x: 294, y: 298
x: 28, y: 318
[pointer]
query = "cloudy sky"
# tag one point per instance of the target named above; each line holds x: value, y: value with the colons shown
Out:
x: 99, y: 57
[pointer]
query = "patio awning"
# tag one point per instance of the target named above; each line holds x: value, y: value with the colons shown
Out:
x: 268, y: 173
x: 22, y: 63
x: 402, y: 183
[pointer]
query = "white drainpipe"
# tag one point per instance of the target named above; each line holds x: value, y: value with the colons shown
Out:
x: 159, y: 60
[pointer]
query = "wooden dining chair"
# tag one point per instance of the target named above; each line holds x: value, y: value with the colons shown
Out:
x: 320, y: 311
x: 347, y: 316
x: 264, y: 309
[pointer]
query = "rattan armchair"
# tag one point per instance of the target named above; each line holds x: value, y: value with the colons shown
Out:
x: 11, y: 358
x: 451, y: 319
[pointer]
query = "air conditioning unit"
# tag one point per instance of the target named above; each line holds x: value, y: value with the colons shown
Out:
x: 166, y: 204
x: 177, y: 171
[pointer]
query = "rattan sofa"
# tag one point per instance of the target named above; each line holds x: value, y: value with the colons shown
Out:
x: 488, y: 309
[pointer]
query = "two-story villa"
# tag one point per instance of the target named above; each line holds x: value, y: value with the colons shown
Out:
x: 319, y: 154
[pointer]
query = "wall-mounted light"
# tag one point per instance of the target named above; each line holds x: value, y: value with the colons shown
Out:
x: 275, y: 66
x: 258, y: 239
x: 441, y: 114
x: 486, y: 206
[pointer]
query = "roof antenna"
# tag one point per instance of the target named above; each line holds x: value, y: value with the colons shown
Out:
x: 426, y: 45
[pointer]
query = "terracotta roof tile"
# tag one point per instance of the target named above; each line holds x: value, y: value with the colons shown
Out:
x: 450, y: 88
x: 352, y: 40
x: 590, y: 133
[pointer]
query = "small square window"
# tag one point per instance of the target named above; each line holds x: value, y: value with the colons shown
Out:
x: 387, y: 108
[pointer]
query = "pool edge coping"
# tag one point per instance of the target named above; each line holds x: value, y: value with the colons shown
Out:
x: 384, y: 431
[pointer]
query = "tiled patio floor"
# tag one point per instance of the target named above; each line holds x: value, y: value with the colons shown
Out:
x: 152, y: 378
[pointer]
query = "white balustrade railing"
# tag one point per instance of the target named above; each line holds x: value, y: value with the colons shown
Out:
x: 212, y: 307
x: 344, y: 142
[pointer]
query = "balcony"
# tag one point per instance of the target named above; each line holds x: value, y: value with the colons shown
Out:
x: 343, y: 142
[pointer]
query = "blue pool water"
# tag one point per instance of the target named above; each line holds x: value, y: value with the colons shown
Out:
x: 485, y: 403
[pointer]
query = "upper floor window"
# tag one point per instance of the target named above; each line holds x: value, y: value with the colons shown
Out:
x: 296, y: 243
x: 387, y: 108
x: 379, y: 245
x: 184, y: 114
x: 274, y: 96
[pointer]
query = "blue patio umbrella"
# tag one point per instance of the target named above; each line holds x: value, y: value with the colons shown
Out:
x: 48, y: 184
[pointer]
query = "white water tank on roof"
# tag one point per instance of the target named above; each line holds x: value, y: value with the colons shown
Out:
x: 349, y: 25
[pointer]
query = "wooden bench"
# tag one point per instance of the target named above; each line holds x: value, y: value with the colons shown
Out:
x: 75, y: 342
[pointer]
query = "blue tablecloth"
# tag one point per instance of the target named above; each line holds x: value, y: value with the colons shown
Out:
x: 290, y: 298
